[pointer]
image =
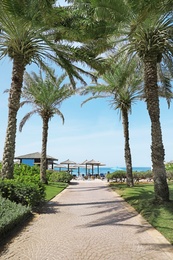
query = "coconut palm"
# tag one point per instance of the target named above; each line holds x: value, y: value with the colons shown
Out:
x: 27, y: 37
x: 45, y: 95
x: 122, y: 87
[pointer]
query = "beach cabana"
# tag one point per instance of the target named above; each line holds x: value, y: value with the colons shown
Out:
x: 32, y: 159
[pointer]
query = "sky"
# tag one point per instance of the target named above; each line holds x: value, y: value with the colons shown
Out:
x: 93, y: 131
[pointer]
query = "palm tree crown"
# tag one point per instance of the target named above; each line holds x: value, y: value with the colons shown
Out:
x: 45, y: 95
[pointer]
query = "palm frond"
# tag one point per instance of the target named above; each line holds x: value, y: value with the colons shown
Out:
x: 25, y: 119
x: 58, y: 112
x: 92, y: 98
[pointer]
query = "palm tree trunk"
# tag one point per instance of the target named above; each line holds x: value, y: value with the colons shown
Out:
x: 13, y: 105
x: 43, y: 165
x: 157, y: 149
x: 127, y: 152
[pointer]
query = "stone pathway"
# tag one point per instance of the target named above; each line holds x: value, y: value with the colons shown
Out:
x: 88, y: 221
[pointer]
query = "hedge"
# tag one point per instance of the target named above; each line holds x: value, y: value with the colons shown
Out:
x: 62, y: 176
x: 11, y: 214
x: 29, y: 194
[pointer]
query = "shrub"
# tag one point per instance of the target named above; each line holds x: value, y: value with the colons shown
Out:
x: 60, y: 177
x: 117, y: 176
x: 169, y: 166
x: 11, y: 214
x: 169, y: 174
x: 48, y: 174
x: 142, y: 175
x: 26, y: 173
x: 31, y: 194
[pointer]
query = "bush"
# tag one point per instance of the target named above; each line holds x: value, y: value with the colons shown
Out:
x: 25, y: 173
x: 11, y: 214
x: 142, y: 175
x: 31, y: 194
x: 60, y: 177
x: 118, y: 176
x: 48, y: 174
x: 169, y: 174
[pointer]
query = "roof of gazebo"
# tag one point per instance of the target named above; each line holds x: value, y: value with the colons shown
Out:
x: 36, y: 155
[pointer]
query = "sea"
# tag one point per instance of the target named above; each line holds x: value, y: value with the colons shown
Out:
x: 104, y: 170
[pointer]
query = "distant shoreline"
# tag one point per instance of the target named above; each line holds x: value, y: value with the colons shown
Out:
x: 103, y: 169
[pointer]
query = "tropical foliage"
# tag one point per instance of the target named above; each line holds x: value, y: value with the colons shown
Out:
x: 29, y: 35
x: 37, y: 31
x: 146, y: 34
x: 122, y: 85
x: 151, y: 41
x: 46, y: 96
x: 12, y: 214
x: 61, y: 176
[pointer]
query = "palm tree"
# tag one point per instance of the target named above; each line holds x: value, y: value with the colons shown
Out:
x: 45, y: 96
x: 122, y: 87
x: 26, y: 37
x: 151, y: 40
x: 146, y: 33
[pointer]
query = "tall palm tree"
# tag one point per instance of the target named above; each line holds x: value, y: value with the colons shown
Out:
x: 146, y: 33
x: 151, y: 40
x: 45, y: 95
x: 122, y: 85
x: 27, y: 37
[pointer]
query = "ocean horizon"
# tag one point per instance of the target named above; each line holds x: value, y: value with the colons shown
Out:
x: 104, y: 170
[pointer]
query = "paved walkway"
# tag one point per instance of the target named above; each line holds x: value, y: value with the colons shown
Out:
x: 88, y: 221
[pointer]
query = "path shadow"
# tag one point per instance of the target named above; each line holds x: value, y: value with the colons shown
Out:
x: 50, y: 207
x: 73, y: 183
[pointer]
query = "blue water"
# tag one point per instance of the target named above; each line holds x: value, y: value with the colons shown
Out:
x: 105, y: 170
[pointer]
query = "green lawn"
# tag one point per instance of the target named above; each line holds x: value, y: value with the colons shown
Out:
x: 53, y: 189
x: 141, y: 198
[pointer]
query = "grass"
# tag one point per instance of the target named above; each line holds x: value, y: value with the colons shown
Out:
x: 54, y: 188
x: 141, y: 198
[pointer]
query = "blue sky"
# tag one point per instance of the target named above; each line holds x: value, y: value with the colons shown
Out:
x: 92, y: 131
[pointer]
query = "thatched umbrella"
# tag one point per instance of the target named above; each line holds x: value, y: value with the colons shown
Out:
x: 68, y: 162
x: 78, y: 166
x: 85, y: 163
x: 92, y: 163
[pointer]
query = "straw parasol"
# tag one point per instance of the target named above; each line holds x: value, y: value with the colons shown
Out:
x: 92, y: 163
x: 68, y: 162
x: 85, y: 163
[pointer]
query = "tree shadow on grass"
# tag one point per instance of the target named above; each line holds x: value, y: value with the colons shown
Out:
x: 158, y: 215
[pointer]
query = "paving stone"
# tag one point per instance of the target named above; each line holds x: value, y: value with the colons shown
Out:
x: 88, y: 221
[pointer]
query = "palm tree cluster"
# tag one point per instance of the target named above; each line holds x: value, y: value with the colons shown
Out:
x: 28, y: 34
x: 128, y: 45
